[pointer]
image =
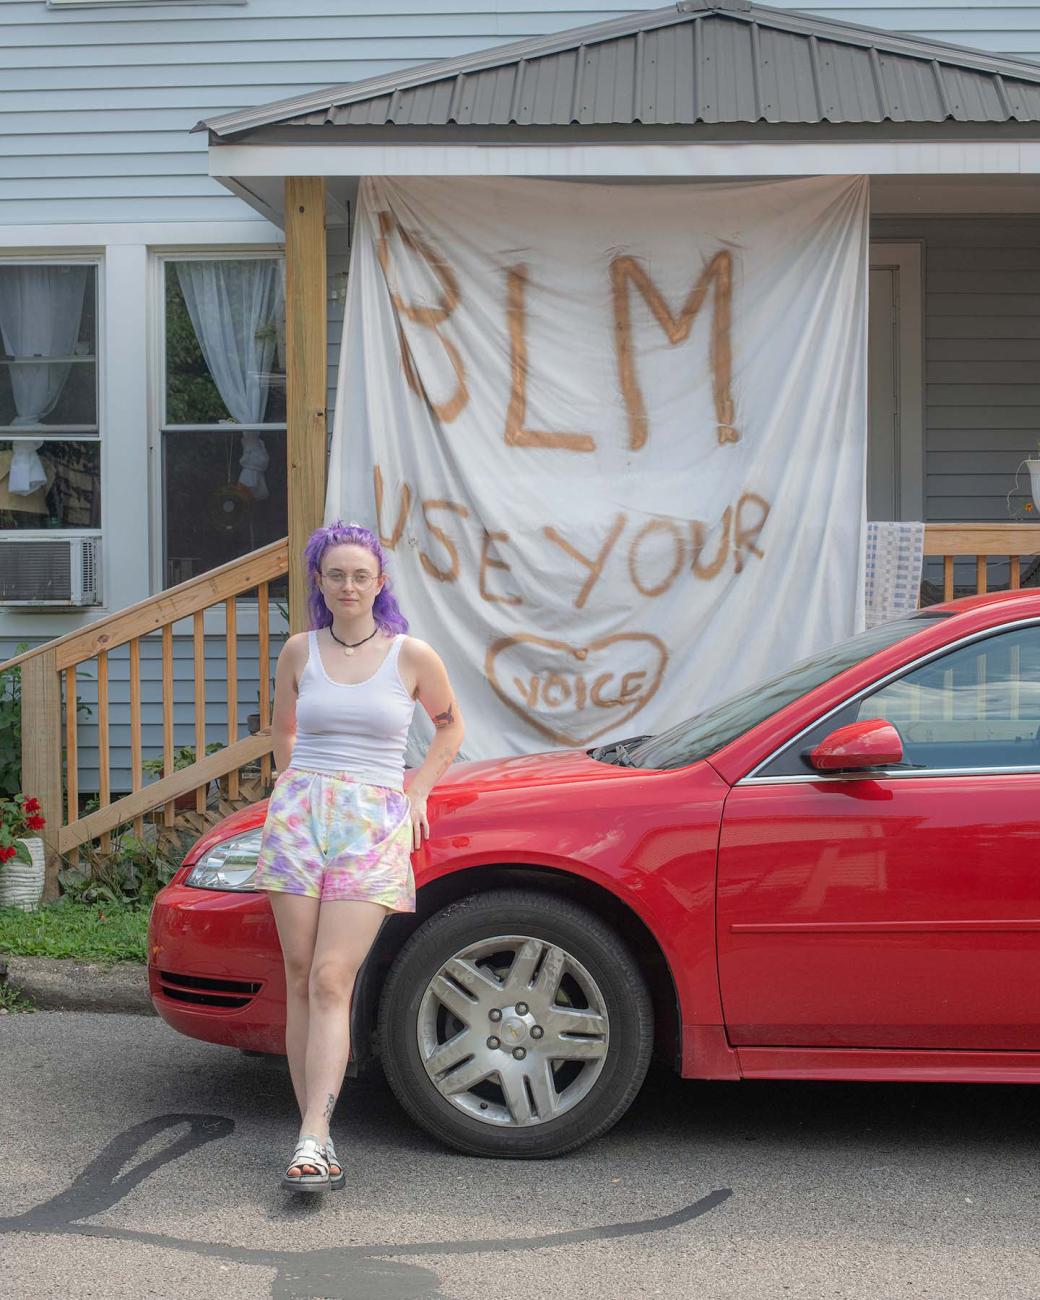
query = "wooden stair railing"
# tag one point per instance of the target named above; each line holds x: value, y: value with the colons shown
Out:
x: 48, y: 745
x: 981, y: 542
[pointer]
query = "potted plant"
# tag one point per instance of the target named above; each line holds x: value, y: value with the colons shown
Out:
x: 1018, y: 508
x: 22, y: 858
x: 182, y: 757
x: 1032, y: 464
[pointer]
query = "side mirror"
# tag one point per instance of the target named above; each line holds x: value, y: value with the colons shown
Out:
x: 858, y: 747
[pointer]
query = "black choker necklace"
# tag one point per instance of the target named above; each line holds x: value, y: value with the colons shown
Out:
x: 348, y: 646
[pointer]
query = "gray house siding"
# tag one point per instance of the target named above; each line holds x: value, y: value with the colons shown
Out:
x: 985, y: 24
x: 981, y: 359
x: 96, y: 105
x: 151, y: 701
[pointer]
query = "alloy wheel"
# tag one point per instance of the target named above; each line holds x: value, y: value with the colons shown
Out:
x: 513, y: 1031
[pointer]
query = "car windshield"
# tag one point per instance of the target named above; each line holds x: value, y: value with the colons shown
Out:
x: 706, y: 732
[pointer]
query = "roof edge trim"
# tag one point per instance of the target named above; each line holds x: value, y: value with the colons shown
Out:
x: 281, y: 112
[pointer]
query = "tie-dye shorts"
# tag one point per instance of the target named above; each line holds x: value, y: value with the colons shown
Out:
x: 332, y: 837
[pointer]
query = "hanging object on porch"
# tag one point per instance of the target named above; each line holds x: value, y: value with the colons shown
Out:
x: 612, y: 437
x: 231, y: 505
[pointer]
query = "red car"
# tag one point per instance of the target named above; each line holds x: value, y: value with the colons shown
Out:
x: 834, y: 875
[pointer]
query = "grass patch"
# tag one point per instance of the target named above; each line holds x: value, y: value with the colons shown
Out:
x: 103, y: 934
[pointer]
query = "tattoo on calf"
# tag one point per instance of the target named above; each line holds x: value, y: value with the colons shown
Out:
x: 446, y: 718
x: 329, y: 1105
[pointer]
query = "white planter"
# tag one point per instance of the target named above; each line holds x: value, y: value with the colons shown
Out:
x: 1034, y: 480
x: 21, y: 884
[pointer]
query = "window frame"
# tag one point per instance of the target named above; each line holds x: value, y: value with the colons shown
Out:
x: 158, y: 259
x: 97, y: 261
x: 890, y: 773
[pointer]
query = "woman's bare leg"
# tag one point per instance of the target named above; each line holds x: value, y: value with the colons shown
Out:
x: 296, y: 918
x: 346, y: 932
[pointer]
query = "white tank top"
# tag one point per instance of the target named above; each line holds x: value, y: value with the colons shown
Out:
x: 357, y: 728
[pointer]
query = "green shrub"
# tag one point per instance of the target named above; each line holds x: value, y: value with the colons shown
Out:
x: 131, y: 873
x: 182, y: 758
x: 11, y: 727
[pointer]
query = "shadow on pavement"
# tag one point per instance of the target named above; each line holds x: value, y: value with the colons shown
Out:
x: 374, y: 1272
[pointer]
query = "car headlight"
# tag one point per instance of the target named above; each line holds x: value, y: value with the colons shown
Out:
x: 228, y: 865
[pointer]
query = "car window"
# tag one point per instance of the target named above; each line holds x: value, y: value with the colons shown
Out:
x: 975, y: 707
x: 707, y: 732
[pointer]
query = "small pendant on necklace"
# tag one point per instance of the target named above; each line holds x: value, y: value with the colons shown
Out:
x: 348, y: 649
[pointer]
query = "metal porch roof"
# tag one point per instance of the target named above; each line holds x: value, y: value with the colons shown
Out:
x: 696, y: 62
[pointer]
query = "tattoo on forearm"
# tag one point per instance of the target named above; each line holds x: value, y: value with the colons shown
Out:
x: 329, y: 1105
x: 446, y: 718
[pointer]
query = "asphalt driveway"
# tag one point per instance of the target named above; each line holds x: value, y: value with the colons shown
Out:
x: 139, y: 1163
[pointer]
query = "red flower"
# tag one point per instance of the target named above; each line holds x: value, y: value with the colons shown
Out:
x: 7, y: 853
x: 35, y: 823
x: 31, y: 806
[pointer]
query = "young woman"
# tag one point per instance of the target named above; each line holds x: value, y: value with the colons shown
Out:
x: 335, y: 854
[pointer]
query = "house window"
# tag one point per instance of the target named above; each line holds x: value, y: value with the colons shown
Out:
x: 50, y: 452
x: 223, y: 430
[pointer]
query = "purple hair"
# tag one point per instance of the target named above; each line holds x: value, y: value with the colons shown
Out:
x: 389, y: 618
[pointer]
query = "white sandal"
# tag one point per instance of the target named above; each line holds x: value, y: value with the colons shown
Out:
x: 336, y: 1181
x: 309, y: 1151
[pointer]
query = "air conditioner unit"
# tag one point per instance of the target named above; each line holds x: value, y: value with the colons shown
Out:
x: 45, y: 571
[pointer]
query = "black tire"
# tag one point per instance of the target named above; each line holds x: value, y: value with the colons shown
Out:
x: 581, y: 935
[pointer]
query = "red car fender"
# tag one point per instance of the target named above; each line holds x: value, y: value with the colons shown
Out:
x: 650, y: 840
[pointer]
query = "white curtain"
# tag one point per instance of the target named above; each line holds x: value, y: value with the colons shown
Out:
x: 235, y: 307
x: 41, y: 309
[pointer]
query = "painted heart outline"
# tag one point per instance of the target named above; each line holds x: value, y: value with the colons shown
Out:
x: 575, y: 659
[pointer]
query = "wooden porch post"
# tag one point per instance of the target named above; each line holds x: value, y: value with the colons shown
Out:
x: 305, y: 373
x: 41, y: 752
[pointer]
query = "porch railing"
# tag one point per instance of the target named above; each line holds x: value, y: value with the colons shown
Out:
x: 51, y: 740
x: 982, y: 543
x: 49, y: 709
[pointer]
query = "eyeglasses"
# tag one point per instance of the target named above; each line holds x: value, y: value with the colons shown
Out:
x: 360, y: 580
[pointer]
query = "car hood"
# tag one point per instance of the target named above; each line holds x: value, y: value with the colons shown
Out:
x: 559, y: 766
x: 456, y: 786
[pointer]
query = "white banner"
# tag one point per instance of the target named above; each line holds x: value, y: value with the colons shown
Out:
x: 612, y: 436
